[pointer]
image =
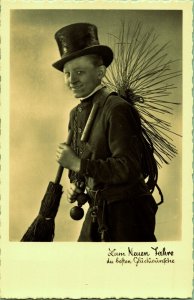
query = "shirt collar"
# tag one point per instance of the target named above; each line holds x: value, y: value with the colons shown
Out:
x: 99, y: 87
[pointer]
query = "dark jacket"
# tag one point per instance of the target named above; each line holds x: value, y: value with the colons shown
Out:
x: 111, y: 159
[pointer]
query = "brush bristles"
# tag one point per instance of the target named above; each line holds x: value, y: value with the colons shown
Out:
x: 141, y: 66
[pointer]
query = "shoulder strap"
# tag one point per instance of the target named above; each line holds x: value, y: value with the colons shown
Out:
x: 100, y: 96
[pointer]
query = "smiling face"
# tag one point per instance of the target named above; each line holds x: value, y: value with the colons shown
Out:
x: 83, y: 75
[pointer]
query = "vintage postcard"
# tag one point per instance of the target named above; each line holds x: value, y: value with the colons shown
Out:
x: 146, y: 53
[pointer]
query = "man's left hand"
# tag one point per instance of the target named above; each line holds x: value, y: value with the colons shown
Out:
x: 67, y: 158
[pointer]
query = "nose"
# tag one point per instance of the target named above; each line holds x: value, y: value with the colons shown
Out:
x: 73, y: 78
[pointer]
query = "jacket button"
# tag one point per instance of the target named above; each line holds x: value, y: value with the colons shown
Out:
x: 80, y: 109
x: 79, y: 130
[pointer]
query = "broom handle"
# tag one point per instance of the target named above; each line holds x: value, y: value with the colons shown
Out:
x: 60, y: 169
x: 88, y: 126
x: 84, y: 137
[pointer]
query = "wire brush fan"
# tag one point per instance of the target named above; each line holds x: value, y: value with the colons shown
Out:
x: 143, y: 74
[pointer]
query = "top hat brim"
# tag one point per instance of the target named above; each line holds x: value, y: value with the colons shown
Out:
x: 104, y: 51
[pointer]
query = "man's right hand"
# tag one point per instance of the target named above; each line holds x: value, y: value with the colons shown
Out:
x: 76, y: 193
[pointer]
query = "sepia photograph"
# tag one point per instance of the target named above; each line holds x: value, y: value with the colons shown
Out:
x: 96, y: 150
x: 125, y: 165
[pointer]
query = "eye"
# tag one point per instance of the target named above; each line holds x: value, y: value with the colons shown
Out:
x: 79, y: 72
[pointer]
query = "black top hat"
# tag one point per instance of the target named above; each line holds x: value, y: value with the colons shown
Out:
x: 80, y: 39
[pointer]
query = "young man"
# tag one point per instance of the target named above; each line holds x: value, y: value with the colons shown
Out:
x: 108, y: 165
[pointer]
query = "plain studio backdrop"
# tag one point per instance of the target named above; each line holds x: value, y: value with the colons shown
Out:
x: 40, y: 106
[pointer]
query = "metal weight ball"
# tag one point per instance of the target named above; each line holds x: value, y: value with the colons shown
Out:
x: 77, y: 213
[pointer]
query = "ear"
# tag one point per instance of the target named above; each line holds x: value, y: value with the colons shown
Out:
x: 101, y: 71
